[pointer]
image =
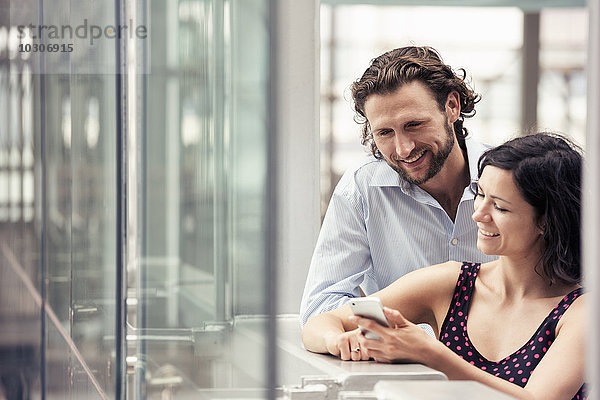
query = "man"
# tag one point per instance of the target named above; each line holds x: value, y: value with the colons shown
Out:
x: 410, y: 205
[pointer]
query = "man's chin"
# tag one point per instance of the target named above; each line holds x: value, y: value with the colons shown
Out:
x: 415, y: 179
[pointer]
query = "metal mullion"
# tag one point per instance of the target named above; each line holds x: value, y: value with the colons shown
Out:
x: 121, y: 211
x: 220, y: 167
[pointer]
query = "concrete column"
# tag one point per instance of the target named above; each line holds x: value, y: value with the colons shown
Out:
x: 297, y: 160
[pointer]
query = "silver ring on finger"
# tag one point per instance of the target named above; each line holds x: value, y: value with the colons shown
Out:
x: 356, y: 350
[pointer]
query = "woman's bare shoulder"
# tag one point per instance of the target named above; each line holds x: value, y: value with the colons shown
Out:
x: 437, y: 276
x: 441, y: 271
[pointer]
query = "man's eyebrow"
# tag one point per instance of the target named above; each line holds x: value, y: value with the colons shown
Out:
x: 418, y: 119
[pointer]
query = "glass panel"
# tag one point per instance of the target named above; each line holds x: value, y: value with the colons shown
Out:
x: 195, y: 118
x: 80, y: 226
x: 20, y: 352
x: 59, y: 166
x: 20, y: 280
x: 197, y: 262
x: 80, y: 212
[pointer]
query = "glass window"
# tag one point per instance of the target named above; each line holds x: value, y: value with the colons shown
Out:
x: 153, y: 176
x: 197, y: 262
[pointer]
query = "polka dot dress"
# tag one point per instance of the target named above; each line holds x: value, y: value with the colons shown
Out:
x: 517, y: 367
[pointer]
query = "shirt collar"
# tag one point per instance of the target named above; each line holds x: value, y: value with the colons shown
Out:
x: 385, y: 176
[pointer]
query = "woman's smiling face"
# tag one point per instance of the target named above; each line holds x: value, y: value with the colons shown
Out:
x: 507, y: 223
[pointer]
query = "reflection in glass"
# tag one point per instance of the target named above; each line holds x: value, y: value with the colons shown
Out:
x: 200, y: 210
x: 191, y: 118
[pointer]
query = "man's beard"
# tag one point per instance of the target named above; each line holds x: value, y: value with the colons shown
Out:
x: 437, y: 160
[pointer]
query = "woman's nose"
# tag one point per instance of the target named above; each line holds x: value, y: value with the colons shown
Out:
x: 480, y: 214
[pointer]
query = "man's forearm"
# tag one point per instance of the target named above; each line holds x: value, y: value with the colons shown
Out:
x: 319, y: 330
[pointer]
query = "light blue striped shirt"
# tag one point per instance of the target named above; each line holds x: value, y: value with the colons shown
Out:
x: 378, y: 228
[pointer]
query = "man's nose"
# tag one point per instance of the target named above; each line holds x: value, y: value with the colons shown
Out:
x: 404, y: 145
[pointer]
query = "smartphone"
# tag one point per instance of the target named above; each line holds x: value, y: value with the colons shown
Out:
x: 369, y: 307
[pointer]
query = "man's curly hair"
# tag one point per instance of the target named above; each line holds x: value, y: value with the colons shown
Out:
x: 397, y: 67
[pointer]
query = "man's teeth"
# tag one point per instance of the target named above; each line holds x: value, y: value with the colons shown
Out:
x: 490, y: 234
x: 415, y: 158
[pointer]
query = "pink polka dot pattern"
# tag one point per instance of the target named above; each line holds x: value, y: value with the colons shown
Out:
x: 517, y: 367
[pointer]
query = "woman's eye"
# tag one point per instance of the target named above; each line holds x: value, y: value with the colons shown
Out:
x: 500, y: 209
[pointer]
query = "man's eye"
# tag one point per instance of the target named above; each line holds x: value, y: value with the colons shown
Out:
x: 383, y: 133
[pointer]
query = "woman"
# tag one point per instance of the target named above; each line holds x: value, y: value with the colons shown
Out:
x: 526, y: 311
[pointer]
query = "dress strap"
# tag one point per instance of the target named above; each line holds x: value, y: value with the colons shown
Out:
x: 459, y: 306
x: 565, y: 303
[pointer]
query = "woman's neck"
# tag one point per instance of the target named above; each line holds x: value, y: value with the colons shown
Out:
x: 523, y: 278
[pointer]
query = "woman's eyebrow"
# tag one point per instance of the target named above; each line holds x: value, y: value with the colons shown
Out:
x: 500, y: 198
x: 493, y: 196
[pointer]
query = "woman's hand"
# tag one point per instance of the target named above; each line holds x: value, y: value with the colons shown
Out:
x: 346, y: 345
x: 403, y: 341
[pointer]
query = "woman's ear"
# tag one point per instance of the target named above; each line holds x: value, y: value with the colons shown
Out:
x: 541, y: 225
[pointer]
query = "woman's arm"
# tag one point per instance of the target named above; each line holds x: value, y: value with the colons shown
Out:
x: 416, y: 294
x: 559, y: 375
x: 424, y: 295
x: 406, y: 342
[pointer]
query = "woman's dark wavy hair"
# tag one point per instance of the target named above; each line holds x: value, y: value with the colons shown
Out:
x: 547, y: 169
x: 397, y: 67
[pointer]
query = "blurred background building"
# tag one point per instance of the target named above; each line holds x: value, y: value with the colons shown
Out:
x: 161, y: 192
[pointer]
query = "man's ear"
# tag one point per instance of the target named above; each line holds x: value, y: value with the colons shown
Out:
x: 453, y: 106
